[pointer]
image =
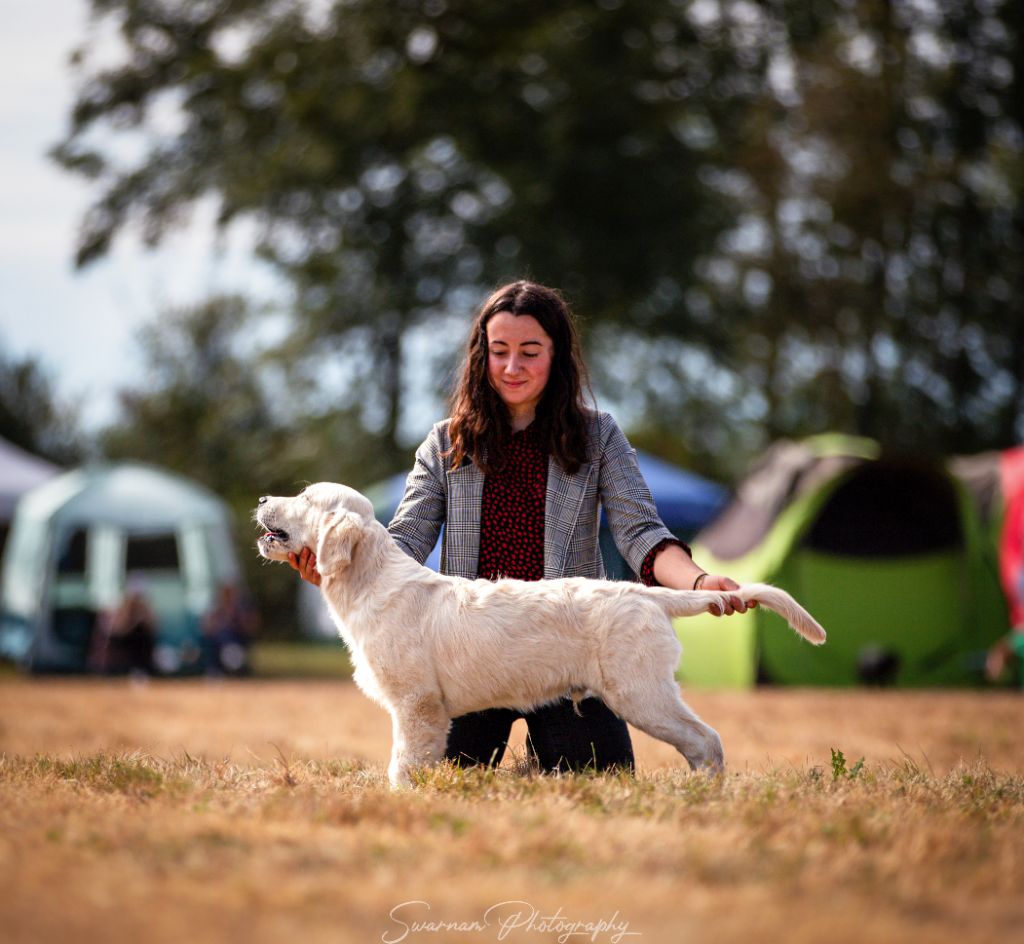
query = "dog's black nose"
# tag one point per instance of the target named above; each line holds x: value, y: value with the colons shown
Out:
x: 262, y: 500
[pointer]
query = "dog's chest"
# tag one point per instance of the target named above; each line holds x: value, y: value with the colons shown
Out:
x: 365, y: 678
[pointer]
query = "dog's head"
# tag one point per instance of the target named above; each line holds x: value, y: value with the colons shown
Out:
x: 326, y: 517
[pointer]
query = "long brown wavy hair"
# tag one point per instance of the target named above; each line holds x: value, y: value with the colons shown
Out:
x: 480, y: 424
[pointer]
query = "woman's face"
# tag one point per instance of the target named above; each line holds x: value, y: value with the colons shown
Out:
x: 519, y: 355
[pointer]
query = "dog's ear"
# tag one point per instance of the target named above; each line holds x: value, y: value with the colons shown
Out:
x: 338, y: 535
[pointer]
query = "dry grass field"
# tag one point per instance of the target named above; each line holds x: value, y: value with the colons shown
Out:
x: 257, y: 811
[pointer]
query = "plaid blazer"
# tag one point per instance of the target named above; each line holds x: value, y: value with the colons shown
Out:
x: 438, y: 496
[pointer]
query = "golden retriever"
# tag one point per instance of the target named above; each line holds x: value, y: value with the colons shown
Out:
x: 429, y: 648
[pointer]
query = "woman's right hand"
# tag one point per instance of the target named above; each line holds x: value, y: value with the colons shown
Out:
x: 305, y: 564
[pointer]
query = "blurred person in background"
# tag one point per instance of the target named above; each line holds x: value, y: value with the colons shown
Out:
x: 1008, y: 651
x: 516, y: 477
x: 228, y: 629
x: 125, y: 636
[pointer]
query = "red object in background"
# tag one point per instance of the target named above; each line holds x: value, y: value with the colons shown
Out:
x: 1011, y: 543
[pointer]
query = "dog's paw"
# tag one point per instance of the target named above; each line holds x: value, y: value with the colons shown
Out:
x: 399, y: 777
x: 710, y: 759
x: 713, y: 768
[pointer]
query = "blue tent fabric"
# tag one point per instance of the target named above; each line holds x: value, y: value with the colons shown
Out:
x: 686, y: 502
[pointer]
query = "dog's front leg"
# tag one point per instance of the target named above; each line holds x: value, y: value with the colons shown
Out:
x: 419, y: 729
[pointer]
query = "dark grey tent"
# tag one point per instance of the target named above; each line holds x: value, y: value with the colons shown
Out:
x: 20, y: 472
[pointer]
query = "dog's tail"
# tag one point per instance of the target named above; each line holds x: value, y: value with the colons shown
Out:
x: 692, y: 602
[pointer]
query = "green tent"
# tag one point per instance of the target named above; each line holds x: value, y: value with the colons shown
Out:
x: 77, y: 539
x: 889, y: 554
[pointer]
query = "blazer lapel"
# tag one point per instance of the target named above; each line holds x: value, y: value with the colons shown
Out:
x: 561, y: 510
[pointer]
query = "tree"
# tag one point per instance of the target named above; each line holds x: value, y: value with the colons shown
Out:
x: 889, y: 196
x: 402, y: 156
x: 875, y: 273
x: 775, y: 218
x: 32, y: 417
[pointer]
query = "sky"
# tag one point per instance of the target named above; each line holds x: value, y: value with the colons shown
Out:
x: 81, y: 325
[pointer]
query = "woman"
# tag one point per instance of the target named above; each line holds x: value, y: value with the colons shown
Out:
x: 517, y: 477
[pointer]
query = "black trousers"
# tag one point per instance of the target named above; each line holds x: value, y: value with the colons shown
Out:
x: 559, y: 739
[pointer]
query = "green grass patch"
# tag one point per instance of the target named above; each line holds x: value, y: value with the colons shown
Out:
x: 300, y: 660
x: 133, y: 775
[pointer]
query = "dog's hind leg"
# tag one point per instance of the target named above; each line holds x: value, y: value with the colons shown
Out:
x: 659, y: 710
x: 419, y: 733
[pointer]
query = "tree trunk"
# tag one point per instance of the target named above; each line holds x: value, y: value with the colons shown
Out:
x: 389, y: 359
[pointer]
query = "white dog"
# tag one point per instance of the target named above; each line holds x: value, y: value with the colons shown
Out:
x: 429, y: 648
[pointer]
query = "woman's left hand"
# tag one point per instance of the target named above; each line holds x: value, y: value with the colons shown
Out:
x: 732, y: 604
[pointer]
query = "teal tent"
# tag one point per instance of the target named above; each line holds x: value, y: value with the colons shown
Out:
x: 889, y: 553
x: 75, y: 542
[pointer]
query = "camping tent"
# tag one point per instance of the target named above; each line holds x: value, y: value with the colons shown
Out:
x: 996, y: 480
x: 685, y: 502
x: 888, y: 553
x: 75, y: 540
x: 20, y: 471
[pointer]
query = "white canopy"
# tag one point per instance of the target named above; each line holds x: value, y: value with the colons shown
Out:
x: 20, y: 472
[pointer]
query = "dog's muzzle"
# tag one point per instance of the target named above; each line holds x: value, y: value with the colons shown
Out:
x: 274, y: 534
x: 271, y: 534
